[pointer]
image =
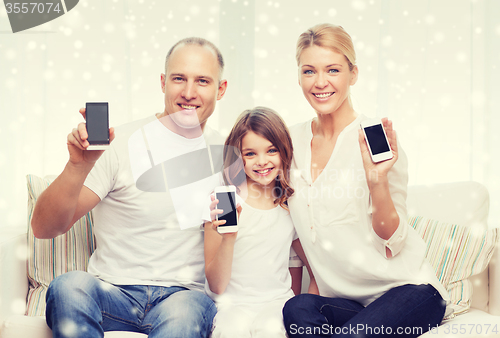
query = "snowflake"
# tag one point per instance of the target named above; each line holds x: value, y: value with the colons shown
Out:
x: 461, y: 57
x: 78, y: 44
x: 387, y: 41
x: 439, y: 37
x: 31, y: 45
x: 429, y: 19
x: 273, y: 30
x: 109, y: 28
x: 359, y: 5
x: 327, y: 245
x: 69, y: 328
x: 10, y: 54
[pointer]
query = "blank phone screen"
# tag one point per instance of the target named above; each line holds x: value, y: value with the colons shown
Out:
x: 96, y: 116
x: 228, y: 205
x: 376, y: 139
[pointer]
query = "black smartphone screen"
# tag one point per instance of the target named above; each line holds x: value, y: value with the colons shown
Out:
x: 376, y: 139
x: 96, y: 116
x: 228, y: 205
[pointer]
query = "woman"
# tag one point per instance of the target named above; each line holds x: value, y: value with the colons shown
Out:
x: 350, y: 213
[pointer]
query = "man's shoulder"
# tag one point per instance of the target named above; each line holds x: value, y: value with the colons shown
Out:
x: 126, y: 131
x: 212, y: 136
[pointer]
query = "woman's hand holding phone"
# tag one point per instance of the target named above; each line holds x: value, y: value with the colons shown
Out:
x: 377, y: 171
x: 385, y: 218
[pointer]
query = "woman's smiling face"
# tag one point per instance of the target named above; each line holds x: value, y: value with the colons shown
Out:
x: 325, y: 78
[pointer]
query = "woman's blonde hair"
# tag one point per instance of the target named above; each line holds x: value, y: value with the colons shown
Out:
x: 268, y: 124
x: 328, y: 36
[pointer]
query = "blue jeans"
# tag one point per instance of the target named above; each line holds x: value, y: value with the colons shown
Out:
x: 80, y: 305
x: 404, y: 311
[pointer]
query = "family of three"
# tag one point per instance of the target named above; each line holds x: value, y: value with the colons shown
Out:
x: 313, y: 188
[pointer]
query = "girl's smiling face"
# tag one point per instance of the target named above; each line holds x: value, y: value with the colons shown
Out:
x: 325, y: 78
x: 261, y: 158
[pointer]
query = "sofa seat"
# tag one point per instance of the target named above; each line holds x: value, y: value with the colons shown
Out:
x: 21, y: 326
x: 473, y: 324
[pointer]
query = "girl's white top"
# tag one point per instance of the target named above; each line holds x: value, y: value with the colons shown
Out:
x: 260, y: 262
x: 333, y: 219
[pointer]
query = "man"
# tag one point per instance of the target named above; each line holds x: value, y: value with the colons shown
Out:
x: 146, y: 274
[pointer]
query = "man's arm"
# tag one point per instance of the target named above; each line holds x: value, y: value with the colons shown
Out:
x: 61, y: 205
x: 67, y: 199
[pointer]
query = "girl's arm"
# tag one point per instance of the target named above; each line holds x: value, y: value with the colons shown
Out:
x: 219, y: 250
x: 296, y: 269
x: 313, y: 287
x: 296, y: 273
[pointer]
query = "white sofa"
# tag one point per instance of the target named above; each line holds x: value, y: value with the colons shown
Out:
x: 464, y: 203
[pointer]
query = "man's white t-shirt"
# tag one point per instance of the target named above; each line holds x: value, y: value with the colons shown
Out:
x: 138, y: 237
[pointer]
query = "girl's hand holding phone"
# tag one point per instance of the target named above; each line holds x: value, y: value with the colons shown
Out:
x: 214, y: 212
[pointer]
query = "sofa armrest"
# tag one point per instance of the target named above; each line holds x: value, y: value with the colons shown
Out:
x: 13, y: 278
x: 494, y: 282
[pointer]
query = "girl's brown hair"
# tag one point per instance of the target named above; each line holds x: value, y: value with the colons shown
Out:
x: 327, y: 36
x: 267, y: 123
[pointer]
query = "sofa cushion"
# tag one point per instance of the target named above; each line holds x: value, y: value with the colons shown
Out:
x: 456, y: 253
x: 464, y: 203
x: 49, y: 258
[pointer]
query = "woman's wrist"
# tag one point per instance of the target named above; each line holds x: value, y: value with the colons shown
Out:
x: 374, y: 179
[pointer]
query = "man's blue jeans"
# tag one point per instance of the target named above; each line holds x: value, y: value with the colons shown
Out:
x: 80, y: 305
x: 404, y: 311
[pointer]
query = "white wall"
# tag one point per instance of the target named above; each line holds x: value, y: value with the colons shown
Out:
x: 431, y: 66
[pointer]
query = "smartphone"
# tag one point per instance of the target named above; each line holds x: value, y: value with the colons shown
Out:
x: 377, y: 141
x: 97, y: 120
x: 227, y: 202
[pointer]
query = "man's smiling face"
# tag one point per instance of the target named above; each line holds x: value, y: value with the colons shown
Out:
x: 191, y: 86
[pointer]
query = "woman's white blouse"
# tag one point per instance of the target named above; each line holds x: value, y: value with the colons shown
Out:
x: 333, y: 219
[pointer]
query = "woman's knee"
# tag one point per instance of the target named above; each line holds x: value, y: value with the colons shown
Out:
x: 423, y: 297
x: 296, y: 306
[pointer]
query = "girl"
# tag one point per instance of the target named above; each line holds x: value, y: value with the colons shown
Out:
x: 351, y: 212
x: 247, y: 271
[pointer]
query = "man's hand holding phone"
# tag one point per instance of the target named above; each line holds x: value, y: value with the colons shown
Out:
x: 78, y: 144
